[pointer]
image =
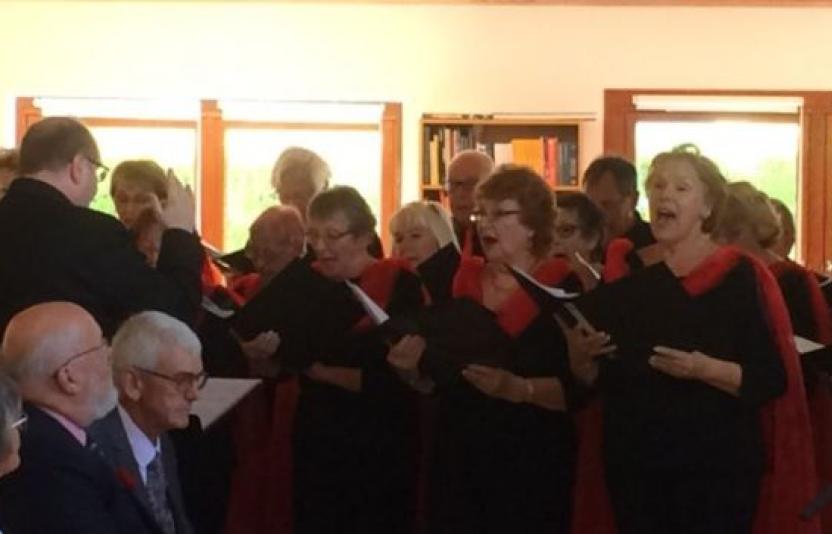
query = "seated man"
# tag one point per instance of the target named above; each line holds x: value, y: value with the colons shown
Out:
x: 158, y: 372
x: 60, y: 361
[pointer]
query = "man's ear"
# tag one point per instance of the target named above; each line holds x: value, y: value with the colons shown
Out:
x: 130, y: 385
x: 76, y: 169
x: 66, y: 381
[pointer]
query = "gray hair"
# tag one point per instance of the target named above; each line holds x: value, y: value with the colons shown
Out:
x: 296, y: 163
x: 429, y: 215
x: 9, y: 411
x: 143, y: 336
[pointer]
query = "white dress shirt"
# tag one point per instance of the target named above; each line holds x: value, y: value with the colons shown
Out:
x: 144, y: 450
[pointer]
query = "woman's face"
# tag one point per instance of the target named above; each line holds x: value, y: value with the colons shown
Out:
x: 131, y: 200
x: 678, y: 204
x: 337, y: 249
x: 415, y: 243
x: 568, y: 239
x: 504, y: 238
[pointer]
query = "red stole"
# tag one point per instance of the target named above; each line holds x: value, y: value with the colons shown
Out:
x: 519, y: 309
x: 789, y: 482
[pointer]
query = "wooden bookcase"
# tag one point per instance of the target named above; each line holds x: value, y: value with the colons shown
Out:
x: 550, y: 144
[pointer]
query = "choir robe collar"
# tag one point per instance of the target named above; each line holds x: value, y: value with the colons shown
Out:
x: 519, y: 309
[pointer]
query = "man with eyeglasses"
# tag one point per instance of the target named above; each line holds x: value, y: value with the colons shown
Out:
x: 55, y: 248
x: 466, y: 170
x: 56, y: 354
x: 158, y: 373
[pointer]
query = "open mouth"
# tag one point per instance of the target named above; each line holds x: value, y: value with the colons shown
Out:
x: 488, y: 240
x: 665, y: 215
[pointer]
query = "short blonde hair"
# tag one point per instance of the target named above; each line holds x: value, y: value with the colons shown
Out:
x: 748, y: 208
x: 426, y: 214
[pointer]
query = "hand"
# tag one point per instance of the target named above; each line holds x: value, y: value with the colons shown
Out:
x: 585, y: 345
x: 261, y: 347
x: 678, y: 363
x: 317, y: 372
x: 180, y: 209
x: 407, y: 353
x: 497, y: 383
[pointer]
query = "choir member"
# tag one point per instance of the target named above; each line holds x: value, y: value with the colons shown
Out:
x: 505, y: 445
x: 579, y: 236
x: 353, y: 453
x: 423, y: 235
x: 712, y: 437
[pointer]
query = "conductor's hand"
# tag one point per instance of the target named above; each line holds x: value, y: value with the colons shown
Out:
x: 678, y: 363
x: 180, y: 209
x: 585, y: 346
x: 261, y: 347
x: 407, y: 353
x: 494, y: 382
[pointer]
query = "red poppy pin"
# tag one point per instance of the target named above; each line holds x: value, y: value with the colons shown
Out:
x: 126, y: 478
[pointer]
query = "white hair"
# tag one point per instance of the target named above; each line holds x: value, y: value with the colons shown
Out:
x: 429, y: 215
x: 296, y: 163
x: 142, y: 337
x: 44, y: 355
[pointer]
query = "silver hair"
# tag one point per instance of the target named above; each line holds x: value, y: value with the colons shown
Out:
x: 142, y: 337
x: 45, y: 355
x: 10, y: 407
x: 296, y: 163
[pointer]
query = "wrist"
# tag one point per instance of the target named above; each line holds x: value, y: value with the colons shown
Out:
x: 702, y: 367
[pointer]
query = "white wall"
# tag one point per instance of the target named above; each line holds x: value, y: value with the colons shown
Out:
x: 432, y: 58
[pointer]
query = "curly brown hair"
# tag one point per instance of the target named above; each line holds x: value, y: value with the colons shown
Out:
x: 536, y: 201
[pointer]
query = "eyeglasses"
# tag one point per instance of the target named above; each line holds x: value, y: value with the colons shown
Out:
x: 184, y: 381
x: 467, y: 184
x: 82, y: 353
x: 328, y: 237
x: 565, y: 231
x: 20, y: 424
x: 481, y: 216
x: 101, y: 169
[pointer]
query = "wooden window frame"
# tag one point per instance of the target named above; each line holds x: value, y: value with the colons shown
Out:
x: 815, y: 158
x: 210, y: 129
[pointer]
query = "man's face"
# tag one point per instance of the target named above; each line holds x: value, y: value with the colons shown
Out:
x: 462, y: 183
x: 295, y: 192
x: 617, y: 207
x: 269, y: 250
x: 165, y: 403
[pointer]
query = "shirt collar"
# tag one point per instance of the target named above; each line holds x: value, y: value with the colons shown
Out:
x: 76, y: 431
x: 144, y: 450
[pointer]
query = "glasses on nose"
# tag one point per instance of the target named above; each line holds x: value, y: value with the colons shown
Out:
x: 493, y: 217
x: 184, y: 382
x: 468, y: 184
x: 20, y: 423
x: 101, y: 170
x: 565, y: 231
x: 330, y: 238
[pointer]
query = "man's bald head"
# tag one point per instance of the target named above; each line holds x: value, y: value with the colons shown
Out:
x: 465, y: 171
x: 53, y: 351
x: 275, y: 238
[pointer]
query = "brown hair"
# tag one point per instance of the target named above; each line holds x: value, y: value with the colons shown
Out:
x: 536, y: 201
x: 53, y: 142
x: 346, y: 200
x: 707, y: 172
x: 143, y: 173
x: 9, y: 159
x: 748, y: 208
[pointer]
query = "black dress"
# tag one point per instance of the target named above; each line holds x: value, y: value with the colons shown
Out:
x: 353, y: 457
x: 682, y: 456
x: 503, y: 467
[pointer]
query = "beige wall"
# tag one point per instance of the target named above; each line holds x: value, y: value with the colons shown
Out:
x: 430, y: 58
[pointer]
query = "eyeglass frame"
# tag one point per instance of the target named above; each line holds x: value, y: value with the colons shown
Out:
x: 101, y: 170
x: 84, y: 352
x: 20, y: 423
x: 326, y: 237
x: 196, y: 381
x: 478, y: 217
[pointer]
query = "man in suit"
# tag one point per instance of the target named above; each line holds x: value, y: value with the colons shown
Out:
x: 55, y: 248
x: 158, y: 372
x: 466, y: 170
x: 57, y: 355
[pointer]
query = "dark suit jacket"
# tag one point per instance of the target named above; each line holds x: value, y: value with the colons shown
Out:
x: 53, y: 250
x: 112, y: 439
x: 63, y: 488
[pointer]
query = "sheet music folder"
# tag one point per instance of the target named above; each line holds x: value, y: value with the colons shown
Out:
x: 219, y: 396
x: 643, y: 310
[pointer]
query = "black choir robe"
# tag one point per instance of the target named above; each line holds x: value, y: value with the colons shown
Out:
x: 502, y: 467
x: 353, y: 452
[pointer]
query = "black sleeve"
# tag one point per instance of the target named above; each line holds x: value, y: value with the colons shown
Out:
x: 796, y: 294
x: 763, y: 374
x: 114, y: 268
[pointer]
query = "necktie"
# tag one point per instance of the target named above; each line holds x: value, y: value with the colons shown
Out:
x: 157, y: 495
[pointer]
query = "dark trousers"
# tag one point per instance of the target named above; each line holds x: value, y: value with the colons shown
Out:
x: 691, y: 503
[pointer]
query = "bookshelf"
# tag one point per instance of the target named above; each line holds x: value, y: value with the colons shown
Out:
x: 549, y: 144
